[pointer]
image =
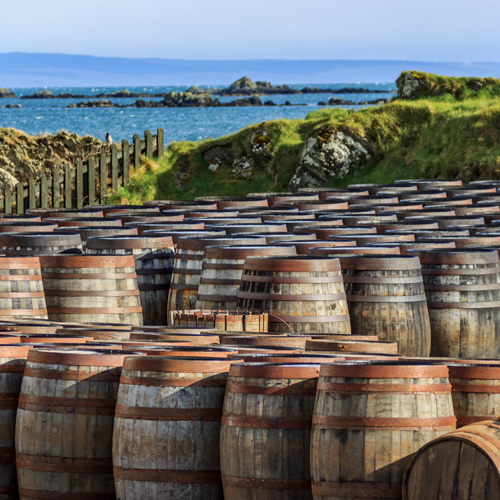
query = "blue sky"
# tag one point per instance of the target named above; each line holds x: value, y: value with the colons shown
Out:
x: 437, y: 30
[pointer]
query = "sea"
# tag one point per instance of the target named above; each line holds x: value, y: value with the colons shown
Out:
x: 47, y: 116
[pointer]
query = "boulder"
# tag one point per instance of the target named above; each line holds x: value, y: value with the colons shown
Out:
x: 6, y: 93
x: 43, y: 94
x: 410, y: 85
x: 243, y: 84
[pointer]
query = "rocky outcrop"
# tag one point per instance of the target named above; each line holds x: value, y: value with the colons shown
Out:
x: 335, y: 101
x: 43, y: 94
x: 330, y: 155
x: 23, y: 156
x: 6, y: 93
x: 410, y: 85
x: 103, y: 103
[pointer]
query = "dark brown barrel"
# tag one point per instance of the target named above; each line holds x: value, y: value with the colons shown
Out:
x: 302, y: 247
x: 83, y: 221
x: 266, y: 340
x: 27, y: 227
x: 174, y: 406
x: 230, y: 202
x: 266, y: 424
x: 107, y: 209
x: 277, y: 238
x: 91, y: 288
x: 181, y: 205
x: 383, y: 249
x: 222, y: 269
x: 21, y: 288
x: 463, y: 297
x: 464, y: 464
x: 65, y: 212
x: 249, y: 228
x: 350, y: 347
x: 194, y: 338
x: 369, y: 418
x: 65, y: 423
x: 86, y: 232
x: 155, y: 217
x: 154, y: 261
x: 301, y: 294
x: 142, y: 227
x: 175, y: 234
x: 233, y: 321
x: 21, y: 244
x: 364, y: 239
x: 386, y: 297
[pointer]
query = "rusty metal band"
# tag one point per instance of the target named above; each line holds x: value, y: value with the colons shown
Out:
x: 223, y: 267
x: 10, y: 263
x: 185, y: 365
x: 217, y: 298
x: 90, y: 261
x: 175, y: 286
x: 233, y: 387
x: 7, y: 457
x: 106, y: 376
x: 89, y: 276
x: 477, y: 271
x: 327, y: 421
x: 386, y: 298
x: 21, y: 295
x: 463, y: 288
x: 8, y: 397
x: 309, y: 319
x: 477, y: 389
x: 385, y: 372
x: 55, y: 495
x: 91, y: 293
x: 463, y: 305
x: 173, y: 382
x: 191, y: 272
x: 8, y: 368
x: 164, y: 414
x: 396, y: 281
x: 475, y: 372
x: 266, y: 484
x: 356, y: 490
x: 94, y: 310
x: 248, y: 421
x: 278, y: 264
x: 66, y: 402
x: 20, y: 277
x: 24, y: 312
x: 168, y: 476
x: 392, y: 263
x: 399, y: 388
x: 278, y: 297
x: 292, y: 279
x: 211, y: 281
x: 79, y: 359
x: 154, y: 272
x: 57, y: 464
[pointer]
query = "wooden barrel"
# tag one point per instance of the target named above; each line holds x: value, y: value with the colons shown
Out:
x: 266, y: 340
x: 194, y: 338
x: 86, y: 232
x: 154, y: 261
x: 65, y: 422
x: 383, y: 249
x: 369, y: 418
x: 21, y: 288
x: 181, y: 205
x: 108, y: 209
x: 222, y: 269
x: 83, y: 221
x: 301, y: 294
x: 232, y: 202
x: 91, y: 288
x: 234, y: 321
x: 302, y: 247
x: 266, y: 428
x: 347, y: 346
x: 182, y: 233
x: 156, y: 217
x: 65, y: 212
x: 21, y: 244
x: 464, y: 465
x: 174, y: 405
x: 249, y: 228
x: 142, y: 227
x: 278, y: 238
x: 27, y: 227
x: 463, y: 298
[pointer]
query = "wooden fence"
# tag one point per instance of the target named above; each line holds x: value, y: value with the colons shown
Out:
x: 88, y: 182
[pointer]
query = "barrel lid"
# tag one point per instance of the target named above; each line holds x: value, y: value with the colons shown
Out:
x: 92, y: 261
x: 292, y: 263
x: 130, y: 241
x: 75, y: 356
x: 276, y: 370
x: 181, y: 364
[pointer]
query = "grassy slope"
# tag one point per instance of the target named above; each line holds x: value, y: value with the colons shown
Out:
x: 453, y: 133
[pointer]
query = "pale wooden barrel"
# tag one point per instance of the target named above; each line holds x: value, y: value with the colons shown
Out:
x: 266, y: 429
x: 234, y: 321
x: 64, y: 424
x: 65, y: 212
x: 369, y: 418
x: 21, y: 244
x: 93, y: 288
x: 154, y: 260
x: 462, y: 465
x: 167, y: 428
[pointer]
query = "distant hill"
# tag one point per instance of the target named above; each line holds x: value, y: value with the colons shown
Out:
x: 61, y: 70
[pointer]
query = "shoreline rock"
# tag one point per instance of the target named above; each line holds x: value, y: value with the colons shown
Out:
x: 6, y: 94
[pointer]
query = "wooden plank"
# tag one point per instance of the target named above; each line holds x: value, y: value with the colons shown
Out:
x: 44, y: 192
x: 114, y: 167
x: 125, y: 162
x: 91, y: 178
x: 102, y: 175
x: 79, y: 184
x: 160, y: 138
x: 56, y: 189
x: 31, y: 193
x: 137, y: 151
x: 67, y: 186
x: 7, y: 204
x: 148, y: 137
x: 19, y: 198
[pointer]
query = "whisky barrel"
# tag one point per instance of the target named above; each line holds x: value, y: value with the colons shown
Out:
x: 222, y: 269
x: 154, y: 261
x: 369, y: 418
x: 302, y: 247
x: 301, y: 294
x: 21, y: 244
x: 142, y: 227
x: 174, y: 405
x: 386, y: 297
x: 194, y: 337
x: 64, y: 212
x: 27, y: 227
x: 237, y: 203
x: 175, y: 234
x: 107, y: 209
x: 353, y: 346
x: 266, y: 340
x: 83, y: 221
x: 464, y: 464
x: 221, y: 320
x: 383, y: 249
x: 64, y: 424
x: 249, y: 228
x: 181, y: 205
x: 86, y: 232
x: 155, y: 217
x: 91, y: 288
x: 266, y: 429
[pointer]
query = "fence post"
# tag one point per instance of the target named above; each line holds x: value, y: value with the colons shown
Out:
x: 148, y: 137
x: 67, y: 186
x: 160, y: 139
x: 91, y: 177
x: 44, y: 192
x: 102, y: 174
x: 7, y: 201
x: 19, y: 198
x: 79, y: 183
x: 31, y: 193
x: 125, y: 162
x: 114, y: 167
x: 56, y: 189
x: 137, y: 151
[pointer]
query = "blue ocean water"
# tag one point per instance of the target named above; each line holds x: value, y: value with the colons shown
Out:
x: 46, y: 116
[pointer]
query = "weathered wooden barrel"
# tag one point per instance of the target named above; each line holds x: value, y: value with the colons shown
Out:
x: 27, y: 326
x: 27, y: 227
x: 231, y: 202
x: 283, y: 198
x: 357, y: 220
x: 83, y: 221
x: 423, y: 245
x: 107, y: 209
x: 425, y: 184
x: 364, y: 239
x: 87, y: 232
x: 20, y: 218
x: 194, y: 338
x: 342, y: 193
x: 249, y: 228
x: 187, y: 266
x: 453, y: 221
x: 97, y: 334
x: 222, y: 221
x: 429, y: 211
x: 64, y: 424
x: 181, y: 205
x: 185, y: 351
x: 478, y: 240
x: 386, y: 297
x: 235, y: 321
x: 176, y: 234
x: 23, y: 244
x: 463, y: 298
x: 383, y: 249
x: 301, y: 294
x: 374, y: 199
x: 277, y: 238
x: 331, y: 204
x: 154, y: 261
x: 350, y: 347
x: 143, y: 227
x: 266, y: 340
x: 65, y: 212
x: 266, y: 429
x: 463, y: 200
x: 369, y: 418
x: 340, y: 230
x: 155, y: 217
x: 294, y: 225
x: 405, y: 224
x: 452, y: 192
x: 484, y: 208
x: 21, y: 288
x: 464, y: 465
x: 211, y: 214
x: 53, y: 338
x: 91, y: 288
x: 302, y: 247
x: 222, y: 269
x: 174, y: 405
